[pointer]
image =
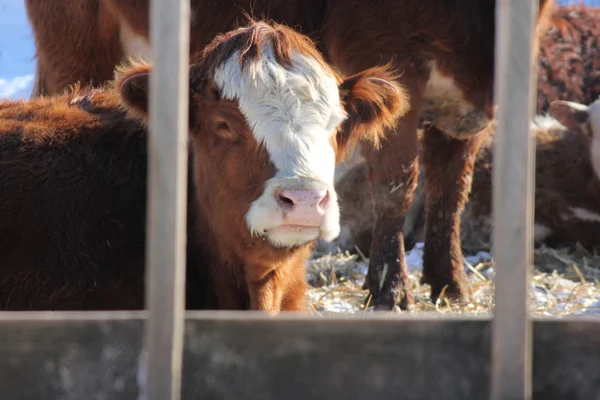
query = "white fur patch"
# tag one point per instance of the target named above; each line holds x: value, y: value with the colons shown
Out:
x: 447, y: 108
x: 585, y: 215
x: 441, y: 88
x: 540, y: 232
x: 546, y: 122
x: 594, y: 115
x: 293, y: 112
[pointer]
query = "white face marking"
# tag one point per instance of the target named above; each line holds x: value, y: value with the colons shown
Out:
x: 445, y: 106
x: 294, y: 113
x: 132, y: 44
x: 592, y: 128
x: 594, y: 113
x: 546, y: 122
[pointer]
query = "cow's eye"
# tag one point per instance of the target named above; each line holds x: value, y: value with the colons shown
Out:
x: 225, y: 132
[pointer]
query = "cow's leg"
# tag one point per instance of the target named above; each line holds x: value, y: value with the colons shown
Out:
x: 392, y: 176
x: 448, y: 166
x: 392, y: 170
x: 74, y: 43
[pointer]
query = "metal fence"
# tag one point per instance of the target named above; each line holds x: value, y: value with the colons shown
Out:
x: 166, y: 353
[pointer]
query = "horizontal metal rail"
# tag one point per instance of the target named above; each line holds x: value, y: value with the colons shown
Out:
x: 241, y: 355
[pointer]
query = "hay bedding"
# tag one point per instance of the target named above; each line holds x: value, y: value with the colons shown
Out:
x: 564, y: 282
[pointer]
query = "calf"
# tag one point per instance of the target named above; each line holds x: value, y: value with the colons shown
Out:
x: 443, y: 48
x: 268, y: 119
x: 567, y: 193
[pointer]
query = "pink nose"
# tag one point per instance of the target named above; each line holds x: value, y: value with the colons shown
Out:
x: 302, y: 206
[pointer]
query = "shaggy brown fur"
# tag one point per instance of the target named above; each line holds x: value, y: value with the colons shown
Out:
x: 86, y: 49
x: 73, y: 178
x: 569, y: 57
x: 567, y: 195
x: 457, y: 37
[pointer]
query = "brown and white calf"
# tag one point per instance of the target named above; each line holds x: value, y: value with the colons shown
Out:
x: 567, y: 193
x: 268, y: 119
x: 444, y: 50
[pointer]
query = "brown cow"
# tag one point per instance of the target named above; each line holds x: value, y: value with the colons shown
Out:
x: 268, y: 120
x: 444, y: 50
x: 569, y: 57
x: 567, y: 195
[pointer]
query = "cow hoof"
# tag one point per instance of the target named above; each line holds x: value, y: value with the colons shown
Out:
x: 455, y: 291
x: 406, y: 302
x: 388, y: 302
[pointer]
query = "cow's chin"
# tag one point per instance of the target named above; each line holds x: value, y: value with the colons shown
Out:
x: 286, y: 236
x: 289, y: 235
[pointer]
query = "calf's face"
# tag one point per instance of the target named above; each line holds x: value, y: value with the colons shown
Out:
x: 581, y: 118
x: 267, y: 135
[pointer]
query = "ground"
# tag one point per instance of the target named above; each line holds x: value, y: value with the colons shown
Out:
x: 563, y: 283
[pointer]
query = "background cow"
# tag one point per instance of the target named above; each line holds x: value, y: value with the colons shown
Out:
x: 569, y: 57
x: 568, y: 69
x: 443, y: 49
x: 268, y: 119
x: 567, y: 193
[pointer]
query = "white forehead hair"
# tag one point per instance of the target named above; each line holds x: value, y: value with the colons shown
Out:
x: 293, y: 111
x: 546, y: 121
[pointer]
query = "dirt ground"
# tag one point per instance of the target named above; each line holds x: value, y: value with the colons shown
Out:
x: 564, y: 282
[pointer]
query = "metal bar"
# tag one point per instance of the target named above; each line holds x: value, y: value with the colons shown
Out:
x: 237, y: 355
x: 513, y: 191
x: 167, y: 183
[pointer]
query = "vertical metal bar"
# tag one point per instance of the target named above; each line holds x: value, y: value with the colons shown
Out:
x: 513, y: 194
x: 167, y: 183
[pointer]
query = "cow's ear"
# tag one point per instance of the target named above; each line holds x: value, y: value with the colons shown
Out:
x: 373, y: 101
x: 571, y: 115
x: 132, y: 81
x: 134, y: 94
x: 133, y: 85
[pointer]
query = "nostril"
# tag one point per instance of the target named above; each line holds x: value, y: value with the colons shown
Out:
x: 324, y: 201
x: 302, y: 201
x: 286, y: 200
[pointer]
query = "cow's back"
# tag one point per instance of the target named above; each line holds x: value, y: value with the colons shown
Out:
x: 72, y: 208
x: 569, y: 57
